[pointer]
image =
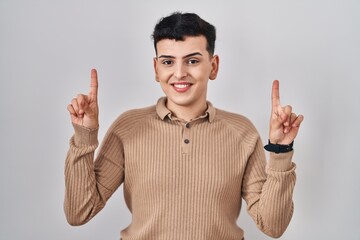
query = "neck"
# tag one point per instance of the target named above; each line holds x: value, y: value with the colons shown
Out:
x: 188, y: 113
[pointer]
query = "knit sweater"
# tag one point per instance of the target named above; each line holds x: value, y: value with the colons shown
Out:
x: 182, y: 180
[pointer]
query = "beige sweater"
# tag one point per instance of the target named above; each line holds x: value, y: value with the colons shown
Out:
x: 181, y: 180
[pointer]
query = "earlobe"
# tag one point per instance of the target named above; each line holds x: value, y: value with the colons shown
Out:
x: 212, y: 75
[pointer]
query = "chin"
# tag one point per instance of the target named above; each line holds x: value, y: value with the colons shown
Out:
x: 181, y: 101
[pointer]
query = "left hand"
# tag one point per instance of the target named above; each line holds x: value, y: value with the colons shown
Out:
x: 284, y: 124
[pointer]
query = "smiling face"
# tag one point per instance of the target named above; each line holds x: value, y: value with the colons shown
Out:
x: 183, y: 69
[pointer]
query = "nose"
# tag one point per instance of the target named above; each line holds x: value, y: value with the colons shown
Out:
x: 180, y: 71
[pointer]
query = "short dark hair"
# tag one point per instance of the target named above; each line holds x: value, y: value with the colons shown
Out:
x: 180, y: 25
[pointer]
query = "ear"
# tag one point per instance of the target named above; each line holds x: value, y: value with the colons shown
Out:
x: 155, y: 62
x: 214, y: 67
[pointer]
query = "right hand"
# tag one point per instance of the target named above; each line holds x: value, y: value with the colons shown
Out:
x: 84, y: 109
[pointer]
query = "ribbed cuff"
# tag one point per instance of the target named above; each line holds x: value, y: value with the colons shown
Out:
x: 280, y: 162
x: 85, y: 136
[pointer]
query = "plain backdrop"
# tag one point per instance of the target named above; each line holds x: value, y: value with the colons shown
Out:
x: 47, y: 49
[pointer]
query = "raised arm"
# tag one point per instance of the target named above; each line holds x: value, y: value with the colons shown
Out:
x: 89, y: 183
x: 269, y: 192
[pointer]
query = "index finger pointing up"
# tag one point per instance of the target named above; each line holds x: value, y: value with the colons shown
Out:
x: 93, y: 84
x: 275, y: 96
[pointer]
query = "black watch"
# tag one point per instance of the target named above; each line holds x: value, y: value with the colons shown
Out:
x: 279, y: 148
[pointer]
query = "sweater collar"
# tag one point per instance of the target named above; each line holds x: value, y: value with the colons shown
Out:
x: 163, y: 111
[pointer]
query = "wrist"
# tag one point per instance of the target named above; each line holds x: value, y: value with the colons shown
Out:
x: 279, y: 148
x: 85, y: 136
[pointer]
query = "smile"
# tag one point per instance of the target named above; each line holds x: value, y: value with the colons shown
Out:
x: 181, y: 87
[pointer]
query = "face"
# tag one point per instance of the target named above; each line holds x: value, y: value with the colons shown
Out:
x: 183, y: 69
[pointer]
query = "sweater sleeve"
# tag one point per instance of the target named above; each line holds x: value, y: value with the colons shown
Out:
x: 88, y: 183
x: 268, y: 190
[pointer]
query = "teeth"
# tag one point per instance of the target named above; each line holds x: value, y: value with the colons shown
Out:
x: 181, y: 85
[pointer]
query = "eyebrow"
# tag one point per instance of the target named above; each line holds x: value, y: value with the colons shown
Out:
x: 189, y: 55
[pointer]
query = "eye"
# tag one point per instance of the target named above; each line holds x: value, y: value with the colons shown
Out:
x: 192, y: 61
x: 167, y: 62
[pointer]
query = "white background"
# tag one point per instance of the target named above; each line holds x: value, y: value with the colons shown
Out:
x: 47, y: 49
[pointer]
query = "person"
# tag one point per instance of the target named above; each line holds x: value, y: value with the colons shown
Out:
x: 184, y: 164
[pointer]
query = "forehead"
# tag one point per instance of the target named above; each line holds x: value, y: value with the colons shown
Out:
x: 182, y: 48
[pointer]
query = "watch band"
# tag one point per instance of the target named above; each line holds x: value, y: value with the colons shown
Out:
x: 279, y: 148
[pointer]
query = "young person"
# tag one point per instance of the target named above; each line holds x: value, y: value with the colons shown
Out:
x: 185, y: 164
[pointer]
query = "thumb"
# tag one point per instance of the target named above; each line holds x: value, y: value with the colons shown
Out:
x: 88, y: 110
x: 84, y: 106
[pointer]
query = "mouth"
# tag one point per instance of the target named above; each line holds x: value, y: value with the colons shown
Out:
x: 181, y: 86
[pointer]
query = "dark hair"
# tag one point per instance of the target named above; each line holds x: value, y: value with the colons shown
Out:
x: 180, y: 25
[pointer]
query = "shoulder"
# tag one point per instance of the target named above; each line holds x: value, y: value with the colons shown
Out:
x: 234, y: 119
x: 238, y: 125
x: 133, y: 118
x: 138, y: 114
